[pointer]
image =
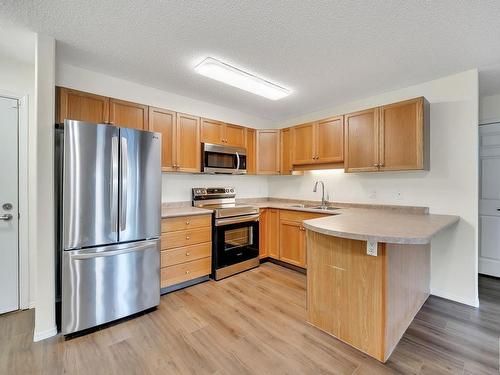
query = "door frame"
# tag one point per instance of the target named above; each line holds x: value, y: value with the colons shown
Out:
x: 22, y: 196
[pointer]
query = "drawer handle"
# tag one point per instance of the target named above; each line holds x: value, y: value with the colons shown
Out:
x: 188, y: 254
x: 187, y: 272
x: 187, y: 222
x: 187, y: 237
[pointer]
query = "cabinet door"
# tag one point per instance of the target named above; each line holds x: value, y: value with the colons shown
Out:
x: 286, y: 152
x: 402, y: 135
x: 303, y: 144
x: 188, y: 143
x: 292, y: 243
x: 212, y: 131
x: 251, y: 162
x: 273, y: 235
x: 362, y: 141
x: 164, y: 122
x: 81, y: 106
x: 128, y: 114
x: 263, y: 231
x: 234, y: 135
x: 329, y: 140
x: 268, y: 150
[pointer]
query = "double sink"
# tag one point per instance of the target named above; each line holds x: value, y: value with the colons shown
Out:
x: 314, y: 207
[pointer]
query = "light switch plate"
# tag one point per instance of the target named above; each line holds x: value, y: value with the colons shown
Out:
x: 371, y: 248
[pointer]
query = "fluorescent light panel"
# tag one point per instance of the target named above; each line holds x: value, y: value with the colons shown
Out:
x: 232, y: 76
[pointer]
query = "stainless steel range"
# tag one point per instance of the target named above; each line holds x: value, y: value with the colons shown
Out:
x: 235, y: 237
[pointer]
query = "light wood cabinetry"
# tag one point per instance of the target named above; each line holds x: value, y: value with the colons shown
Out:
x: 165, y: 122
x: 188, y: 147
x: 366, y: 301
x: 273, y: 237
x: 128, y: 114
x: 81, y: 106
x: 268, y: 151
x: 402, y: 127
x: 186, y: 249
x: 329, y: 140
x: 388, y: 138
x: 251, y: 151
x: 303, y: 144
x: 320, y: 142
x: 263, y: 233
x: 286, y: 152
x: 218, y: 132
x: 361, y: 141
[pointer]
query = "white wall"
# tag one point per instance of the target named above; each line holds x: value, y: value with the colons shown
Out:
x: 450, y: 187
x: 489, y: 109
x: 45, y: 325
x: 177, y: 187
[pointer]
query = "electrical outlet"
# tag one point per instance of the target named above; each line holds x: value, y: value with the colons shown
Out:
x: 371, y: 248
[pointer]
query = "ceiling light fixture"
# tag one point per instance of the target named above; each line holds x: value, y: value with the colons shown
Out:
x: 230, y: 75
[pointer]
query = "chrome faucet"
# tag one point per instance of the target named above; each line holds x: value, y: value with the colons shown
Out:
x: 323, y: 201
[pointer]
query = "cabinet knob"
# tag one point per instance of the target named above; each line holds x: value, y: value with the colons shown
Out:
x: 187, y: 272
x: 187, y: 237
x: 188, y: 254
x: 381, y: 165
x: 375, y: 165
x: 187, y: 222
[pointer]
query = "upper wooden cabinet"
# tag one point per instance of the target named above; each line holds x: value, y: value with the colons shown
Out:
x: 165, y: 122
x: 218, y: 132
x: 319, y: 142
x: 303, y: 150
x: 329, y: 140
x: 268, y: 151
x: 188, y: 143
x: 81, y: 106
x: 388, y: 138
x: 285, y: 152
x: 402, y: 127
x: 251, y: 151
x: 361, y: 141
x: 128, y: 114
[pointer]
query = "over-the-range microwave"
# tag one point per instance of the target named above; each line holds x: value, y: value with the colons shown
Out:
x: 223, y: 159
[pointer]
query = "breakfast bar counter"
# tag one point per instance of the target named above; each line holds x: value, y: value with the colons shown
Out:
x: 368, y: 274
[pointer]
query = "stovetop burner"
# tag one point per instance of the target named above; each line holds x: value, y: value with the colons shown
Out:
x: 222, y: 201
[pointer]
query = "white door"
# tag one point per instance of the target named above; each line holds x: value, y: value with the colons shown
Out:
x: 489, y: 200
x: 9, y: 221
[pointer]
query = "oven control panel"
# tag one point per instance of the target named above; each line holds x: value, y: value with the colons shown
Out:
x: 210, y: 193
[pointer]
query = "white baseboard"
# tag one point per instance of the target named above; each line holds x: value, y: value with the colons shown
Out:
x: 39, y: 336
x: 459, y: 299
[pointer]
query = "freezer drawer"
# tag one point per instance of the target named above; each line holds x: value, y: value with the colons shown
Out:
x: 106, y: 283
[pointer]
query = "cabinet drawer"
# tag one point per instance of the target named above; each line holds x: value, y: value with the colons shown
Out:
x: 185, y: 222
x: 171, y: 240
x: 185, y: 254
x: 185, y: 271
x: 298, y: 215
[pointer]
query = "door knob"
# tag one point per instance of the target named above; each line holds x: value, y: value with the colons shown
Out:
x: 6, y: 217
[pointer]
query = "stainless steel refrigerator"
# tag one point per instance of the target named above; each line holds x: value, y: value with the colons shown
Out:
x: 108, y: 229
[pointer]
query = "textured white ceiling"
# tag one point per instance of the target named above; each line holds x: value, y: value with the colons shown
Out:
x: 328, y: 52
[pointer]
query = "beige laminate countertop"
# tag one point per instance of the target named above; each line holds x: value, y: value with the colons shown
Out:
x: 381, y: 225
x: 167, y: 212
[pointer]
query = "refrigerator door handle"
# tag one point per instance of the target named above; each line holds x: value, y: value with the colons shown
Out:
x: 110, y: 253
x: 124, y: 178
x: 114, y: 184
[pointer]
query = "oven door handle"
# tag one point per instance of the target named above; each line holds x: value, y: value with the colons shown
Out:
x: 235, y: 220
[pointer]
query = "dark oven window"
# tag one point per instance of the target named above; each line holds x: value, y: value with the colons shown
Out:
x: 236, y: 242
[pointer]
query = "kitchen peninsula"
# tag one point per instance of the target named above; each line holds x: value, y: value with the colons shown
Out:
x: 368, y: 274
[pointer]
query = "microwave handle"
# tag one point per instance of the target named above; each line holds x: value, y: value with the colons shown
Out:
x: 237, y: 161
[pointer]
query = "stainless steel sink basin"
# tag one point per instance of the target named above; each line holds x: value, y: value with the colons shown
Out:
x: 327, y: 208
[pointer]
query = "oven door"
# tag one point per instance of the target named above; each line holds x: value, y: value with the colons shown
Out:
x: 224, y: 159
x: 236, y: 240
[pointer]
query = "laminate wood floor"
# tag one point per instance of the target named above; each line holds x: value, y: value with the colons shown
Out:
x: 254, y: 323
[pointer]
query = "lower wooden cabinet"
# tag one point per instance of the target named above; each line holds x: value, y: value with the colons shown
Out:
x: 292, y: 243
x: 263, y: 232
x: 186, y: 249
x: 273, y: 237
